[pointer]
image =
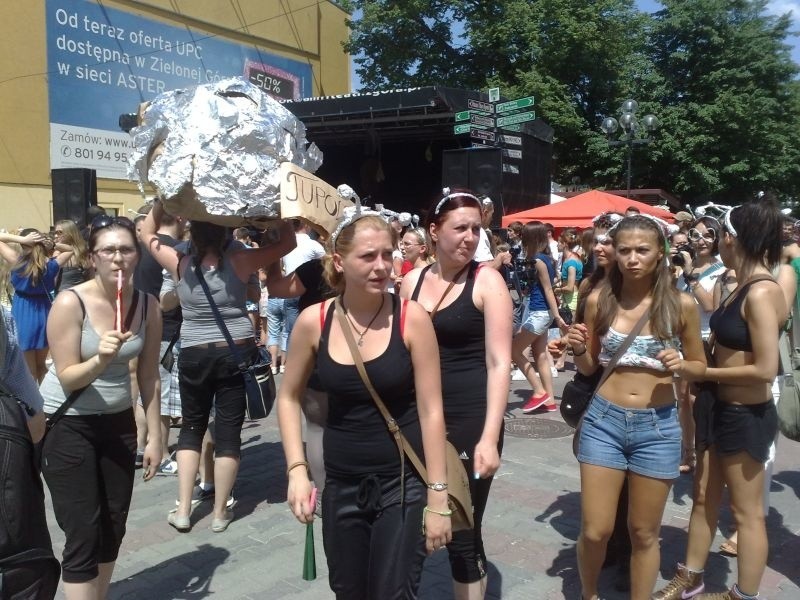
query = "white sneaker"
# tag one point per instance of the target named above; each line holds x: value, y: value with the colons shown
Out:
x: 517, y: 375
x: 274, y: 370
x: 554, y: 372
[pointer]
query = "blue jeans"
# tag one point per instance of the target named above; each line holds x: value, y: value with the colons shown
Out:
x: 276, y: 323
x: 646, y: 441
x: 291, y: 310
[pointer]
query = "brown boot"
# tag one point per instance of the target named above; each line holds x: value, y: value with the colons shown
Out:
x: 729, y: 595
x: 684, y: 585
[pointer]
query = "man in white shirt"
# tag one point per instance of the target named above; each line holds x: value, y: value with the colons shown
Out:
x: 306, y: 250
x: 484, y: 252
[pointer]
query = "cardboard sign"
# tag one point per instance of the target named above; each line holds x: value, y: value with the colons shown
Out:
x: 306, y: 196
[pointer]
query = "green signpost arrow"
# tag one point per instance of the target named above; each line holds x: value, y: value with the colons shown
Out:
x: 515, y: 119
x: 462, y: 116
x: 515, y: 104
x: 459, y: 129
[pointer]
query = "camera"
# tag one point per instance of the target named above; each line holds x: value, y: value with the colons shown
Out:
x: 128, y: 121
x: 678, y: 259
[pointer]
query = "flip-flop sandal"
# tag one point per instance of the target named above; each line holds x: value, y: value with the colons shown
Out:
x: 728, y: 548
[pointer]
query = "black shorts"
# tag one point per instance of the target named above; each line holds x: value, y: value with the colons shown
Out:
x: 745, y: 427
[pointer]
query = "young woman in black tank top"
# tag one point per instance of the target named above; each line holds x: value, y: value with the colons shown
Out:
x: 473, y: 321
x: 374, y: 502
x: 736, y: 418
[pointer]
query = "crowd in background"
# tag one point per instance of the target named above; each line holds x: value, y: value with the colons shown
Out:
x: 113, y: 319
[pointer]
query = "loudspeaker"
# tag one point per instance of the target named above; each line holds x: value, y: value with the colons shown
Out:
x: 74, y: 190
x: 479, y: 170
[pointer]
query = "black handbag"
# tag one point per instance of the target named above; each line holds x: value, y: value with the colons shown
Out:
x: 259, y: 383
x: 579, y: 392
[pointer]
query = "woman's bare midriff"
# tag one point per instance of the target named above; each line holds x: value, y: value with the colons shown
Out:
x: 750, y: 393
x: 631, y: 387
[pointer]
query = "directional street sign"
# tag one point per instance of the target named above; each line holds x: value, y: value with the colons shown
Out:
x: 484, y: 121
x: 482, y: 106
x: 458, y: 129
x: 514, y: 140
x: 512, y: 153
x: 514, y: 169
x: 515, y: 104
x: 481, y: 134
x: 462, y: 116
x: 494, y: 94
x: 514, y: 119
x: 513, y: 127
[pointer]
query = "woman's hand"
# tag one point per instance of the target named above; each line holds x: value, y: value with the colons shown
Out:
x: 561, y: 323
x: 299, y: 495
x: 487, y: 459
x: 110, y: 343
x: 152, y: 458
x: 557, y: 347
x: 672, y: 361
x: 438, y: 531
x: 34, y: 237
x: 577, y: 336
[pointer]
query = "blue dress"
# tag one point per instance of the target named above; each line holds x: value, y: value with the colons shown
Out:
x: 31, y: 306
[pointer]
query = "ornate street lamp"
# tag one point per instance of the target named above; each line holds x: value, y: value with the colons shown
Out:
x: 634, y: 133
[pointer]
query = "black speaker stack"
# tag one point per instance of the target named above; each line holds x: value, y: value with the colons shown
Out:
x: 74, y: 191
x: 479, y: 170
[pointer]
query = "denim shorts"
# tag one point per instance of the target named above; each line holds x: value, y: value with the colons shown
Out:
x: 537, y: 322
x: 646, y: 441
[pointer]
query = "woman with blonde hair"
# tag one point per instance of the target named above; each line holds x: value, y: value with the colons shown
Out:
x: 374, y: 501
x: 33, y: 276
x: 77, y: 269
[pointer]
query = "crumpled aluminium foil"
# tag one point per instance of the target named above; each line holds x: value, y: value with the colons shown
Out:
x: 221, y: 145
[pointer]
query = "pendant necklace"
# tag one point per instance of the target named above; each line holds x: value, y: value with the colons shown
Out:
x: 361, y: 334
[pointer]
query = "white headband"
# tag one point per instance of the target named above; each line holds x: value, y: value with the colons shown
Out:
x: 728, y: 224
x: 448, y: 196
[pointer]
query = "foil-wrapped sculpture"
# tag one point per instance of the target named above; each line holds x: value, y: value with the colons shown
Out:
x: 213, y: 152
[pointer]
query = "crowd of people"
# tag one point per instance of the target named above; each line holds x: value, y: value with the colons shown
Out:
x: 124, y: 326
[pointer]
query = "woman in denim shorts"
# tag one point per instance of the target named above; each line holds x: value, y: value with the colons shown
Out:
x: 736, y: 418
x: 631, y: 430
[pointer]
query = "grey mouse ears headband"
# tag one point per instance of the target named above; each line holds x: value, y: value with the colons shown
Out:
x: 351, y: 214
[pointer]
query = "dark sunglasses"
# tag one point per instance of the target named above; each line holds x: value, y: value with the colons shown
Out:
x: 102, y: 221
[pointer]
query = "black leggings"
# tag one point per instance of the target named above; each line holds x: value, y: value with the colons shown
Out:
x: 88, y: 464
x: 374, y: 545
x: 466, y: 553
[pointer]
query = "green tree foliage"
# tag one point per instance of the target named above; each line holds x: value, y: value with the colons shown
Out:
x: 717, y: 73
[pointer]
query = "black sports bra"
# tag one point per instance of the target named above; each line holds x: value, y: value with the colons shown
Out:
x: 727, y: 324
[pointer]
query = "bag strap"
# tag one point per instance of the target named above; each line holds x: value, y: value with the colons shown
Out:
x: 237, y: 357
x: 449, y: 287
x: 403, y: 446
x: 173, y: 340
x: 621, y: 350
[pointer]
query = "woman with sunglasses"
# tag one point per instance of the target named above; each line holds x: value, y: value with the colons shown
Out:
x: 416, y: 253
x: 207, y: 370
x: 472, y: 317
x: 630, y: 430
x: 736, y: 418
x: 699, y: 278
x: 76, y: 269
x: 33, y: 277
x: 96, y: 329
x: 374, y: 501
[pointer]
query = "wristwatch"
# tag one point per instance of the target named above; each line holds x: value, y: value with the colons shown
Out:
x: 437, y: 486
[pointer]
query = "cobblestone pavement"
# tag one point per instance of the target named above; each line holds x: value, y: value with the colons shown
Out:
x: 530, y: 528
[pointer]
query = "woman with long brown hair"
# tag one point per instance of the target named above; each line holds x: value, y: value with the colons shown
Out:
x: 77, y: 269
x: 33, y: 275
x: 630, y: 430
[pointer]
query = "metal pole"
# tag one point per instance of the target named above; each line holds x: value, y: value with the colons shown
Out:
x: 630, y: 153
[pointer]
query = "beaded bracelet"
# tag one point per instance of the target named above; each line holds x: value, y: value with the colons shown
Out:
x: 443, y: 513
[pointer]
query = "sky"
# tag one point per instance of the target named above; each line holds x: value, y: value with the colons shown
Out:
x: 777, y: 7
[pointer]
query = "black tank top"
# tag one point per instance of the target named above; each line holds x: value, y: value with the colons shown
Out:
x: 727, y: 324
x: 462, y: 351
x: 356, y: 441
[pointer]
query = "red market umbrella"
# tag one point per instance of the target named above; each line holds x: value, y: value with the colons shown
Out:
x: 579, y: 210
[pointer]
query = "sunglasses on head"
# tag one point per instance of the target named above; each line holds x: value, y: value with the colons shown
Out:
x: 710, y: 235
x: 102, y: 221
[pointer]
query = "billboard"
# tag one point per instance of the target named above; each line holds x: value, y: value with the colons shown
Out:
x: 103, y: 62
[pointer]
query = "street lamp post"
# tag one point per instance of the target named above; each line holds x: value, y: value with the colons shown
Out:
x: 631, y: 128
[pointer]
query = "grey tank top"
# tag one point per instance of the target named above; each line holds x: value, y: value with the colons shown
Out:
x: 229, y: 294
x: 110, y: 393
